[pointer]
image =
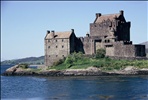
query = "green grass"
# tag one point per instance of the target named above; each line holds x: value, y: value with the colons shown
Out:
x: 24, y: 66
x: 78, y: 61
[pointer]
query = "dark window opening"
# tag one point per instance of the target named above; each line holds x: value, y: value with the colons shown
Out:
x: 48, y: 46
x: 107, y: 41
x: 109, y: 45
x: 56, y: 46
x: 62, y: 46
x: 48, y: 40
x: 99, y: 40
x: 62, y: 40
x: 49, y: 55
x: 56, y: 40
x: 56, y: 55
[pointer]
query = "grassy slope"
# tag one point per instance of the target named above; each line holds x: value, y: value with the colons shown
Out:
x: 79, y: 62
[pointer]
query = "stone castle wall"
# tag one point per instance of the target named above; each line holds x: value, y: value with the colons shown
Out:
x: 101, y: 30
x: 56, y: 49
x: 108, y: 32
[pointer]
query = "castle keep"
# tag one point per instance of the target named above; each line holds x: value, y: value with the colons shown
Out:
x: 111, y: 32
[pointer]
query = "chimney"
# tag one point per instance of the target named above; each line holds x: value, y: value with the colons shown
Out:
x: 52, y: 33
x: 121, y: 12
x: 87, y: 35
x: 48, y: 31
x: 98, y: 14
x: 72, y: 30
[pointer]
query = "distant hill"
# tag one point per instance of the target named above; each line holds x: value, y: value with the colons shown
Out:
x: 28, y: 60
x: 146, y: 45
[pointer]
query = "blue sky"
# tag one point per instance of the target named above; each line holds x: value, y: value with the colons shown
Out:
x: 24, y: 23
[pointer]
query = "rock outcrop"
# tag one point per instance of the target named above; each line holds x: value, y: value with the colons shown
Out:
x: 90, y: 71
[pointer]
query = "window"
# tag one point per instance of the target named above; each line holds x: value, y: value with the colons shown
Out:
x: 56, y: 40
x: 62, y: 46
x: 48, y: 40
x: 48, y: 46
x: 56, y: 46
x: 56, y: 55
x: 62, y: 55
x: 99, y: 40
x: 109, y: 45
x: 62, y: 40
x: 105, y: 36
x: 49, y: 55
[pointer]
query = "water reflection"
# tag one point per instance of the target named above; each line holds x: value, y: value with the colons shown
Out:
x: 104, y: 88
x: 75, y: 88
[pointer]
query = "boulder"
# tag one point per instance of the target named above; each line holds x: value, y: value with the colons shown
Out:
x: 130, y: 68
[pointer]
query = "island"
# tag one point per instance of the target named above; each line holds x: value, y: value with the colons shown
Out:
x: 77, y: 64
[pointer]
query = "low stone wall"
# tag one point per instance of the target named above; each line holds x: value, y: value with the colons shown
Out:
x: 129, y: 58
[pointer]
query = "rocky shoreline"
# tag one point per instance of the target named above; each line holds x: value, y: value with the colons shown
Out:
x: 90, y: 71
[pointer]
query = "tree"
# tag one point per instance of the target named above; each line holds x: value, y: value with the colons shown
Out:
x: 100, y: 53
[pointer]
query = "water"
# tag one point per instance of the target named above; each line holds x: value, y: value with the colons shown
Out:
x: 74, y: 88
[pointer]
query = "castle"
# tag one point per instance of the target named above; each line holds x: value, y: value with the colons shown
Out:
x: 111, y: 32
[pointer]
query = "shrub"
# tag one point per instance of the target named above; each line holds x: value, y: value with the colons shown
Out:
x: 74, y: 57
x: 60, y: 61
x: 68, y: 60
x: 100, y: 53
x: 24, y: 66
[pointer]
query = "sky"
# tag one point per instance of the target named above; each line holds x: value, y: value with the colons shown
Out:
x: 24, y: 23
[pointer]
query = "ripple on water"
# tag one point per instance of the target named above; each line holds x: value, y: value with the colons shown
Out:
x: 38, y: 79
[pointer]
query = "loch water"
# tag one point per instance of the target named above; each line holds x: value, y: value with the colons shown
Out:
x: 73, y: 88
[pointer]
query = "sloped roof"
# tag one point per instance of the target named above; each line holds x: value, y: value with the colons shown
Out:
x: 65, y: 34
x: 106, y: 17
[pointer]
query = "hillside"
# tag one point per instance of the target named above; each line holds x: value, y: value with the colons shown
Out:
x: 28, y: 60
x: 146, y: 46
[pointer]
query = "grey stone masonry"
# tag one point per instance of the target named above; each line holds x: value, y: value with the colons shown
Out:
x: 110, y: 31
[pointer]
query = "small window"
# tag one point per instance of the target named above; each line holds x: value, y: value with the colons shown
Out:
x: 62, y: 55
x: 62, y: 40
x: 48, y: 40
x: 48, y: 46
x: 56, y: 55
x: 56, y: 46
x: 49, y: 55
x: 56, y: 40
x: 99, y: 40
x: 62, y: 46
